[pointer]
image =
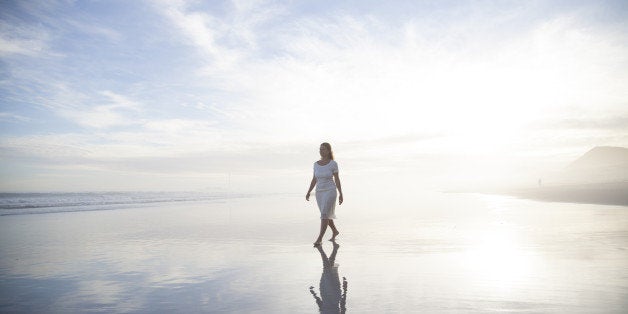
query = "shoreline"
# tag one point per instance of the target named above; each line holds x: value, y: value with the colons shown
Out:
x: 600, y: 193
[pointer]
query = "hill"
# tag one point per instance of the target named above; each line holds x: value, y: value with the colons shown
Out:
x: 602, y: 164
x: 602, y: 156
x: 600, y: 176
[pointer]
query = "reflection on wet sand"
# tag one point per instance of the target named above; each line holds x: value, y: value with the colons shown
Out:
x: 332, y: 299
x: 456, y: 253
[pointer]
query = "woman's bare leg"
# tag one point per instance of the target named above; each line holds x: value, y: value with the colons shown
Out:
x: 333, y: 229
x: 324, y: 223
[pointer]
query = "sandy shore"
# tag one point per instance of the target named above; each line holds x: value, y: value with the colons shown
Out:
x: 605, y: 194
x: 433, y: 253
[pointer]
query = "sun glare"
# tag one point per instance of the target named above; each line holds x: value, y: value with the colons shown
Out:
x: 497, y: 257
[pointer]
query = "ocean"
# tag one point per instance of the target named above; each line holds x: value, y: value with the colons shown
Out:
x: 41, y: 203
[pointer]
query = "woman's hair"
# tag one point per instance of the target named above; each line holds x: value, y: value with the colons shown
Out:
x: 331, y: 153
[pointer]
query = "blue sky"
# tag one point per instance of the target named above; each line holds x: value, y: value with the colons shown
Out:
x: 189, y: 95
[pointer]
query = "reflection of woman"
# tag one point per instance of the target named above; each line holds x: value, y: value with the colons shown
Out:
x: 327, y: 181
x: 332, y: 299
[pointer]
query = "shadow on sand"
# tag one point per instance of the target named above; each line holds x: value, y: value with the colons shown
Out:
x: 332, y: 298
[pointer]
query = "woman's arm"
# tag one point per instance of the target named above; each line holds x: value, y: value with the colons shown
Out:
x: 337, y: 179
x: 312, y: 185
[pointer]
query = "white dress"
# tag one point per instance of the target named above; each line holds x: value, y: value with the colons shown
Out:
x: 326, y: 189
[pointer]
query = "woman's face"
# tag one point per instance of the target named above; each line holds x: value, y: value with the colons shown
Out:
x: 324, y: 151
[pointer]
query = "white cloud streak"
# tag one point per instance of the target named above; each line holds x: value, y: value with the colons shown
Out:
x: 113, y: 113
x: 21, y: 40
x: 10, y: 117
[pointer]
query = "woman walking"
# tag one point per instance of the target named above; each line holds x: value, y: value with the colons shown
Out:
x: 326, y: 180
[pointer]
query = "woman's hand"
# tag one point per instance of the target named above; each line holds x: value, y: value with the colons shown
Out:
x: 307, y: 196
x: 340, y: 199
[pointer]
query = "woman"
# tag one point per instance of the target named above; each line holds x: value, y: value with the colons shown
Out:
x: 324, y: 170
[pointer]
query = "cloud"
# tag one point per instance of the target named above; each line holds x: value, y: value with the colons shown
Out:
x: 61, y: 147
x: 114, y: 113
x: 231, y: 85
x: 201, y: 30
x: 89, y: 27
x: 10, y: 117
x: 22, y: 40
x: 177, y: 125
x: 343, y: 79
x: 610, y: 122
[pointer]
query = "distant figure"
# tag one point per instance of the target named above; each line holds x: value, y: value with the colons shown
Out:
x: 540, y: 182
x: 332, y: 299
x: 325, y: 173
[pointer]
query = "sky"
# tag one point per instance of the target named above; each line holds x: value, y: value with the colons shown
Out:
x: 238, y: 95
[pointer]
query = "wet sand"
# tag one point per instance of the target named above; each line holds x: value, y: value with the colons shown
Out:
x: 602, y: 193
x: 426, y: 252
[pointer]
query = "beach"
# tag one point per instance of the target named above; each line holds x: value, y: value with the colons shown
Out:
x: 426, y: 252
x: 611, y: 193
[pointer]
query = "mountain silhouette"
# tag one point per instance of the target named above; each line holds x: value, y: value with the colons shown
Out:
x: 602, y: 164
x: 600, y: 176
x: 602, y: 156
